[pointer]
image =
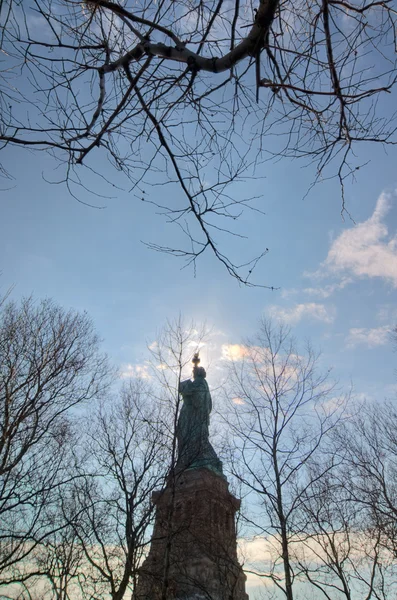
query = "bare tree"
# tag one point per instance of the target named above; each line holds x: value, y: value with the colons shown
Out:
x: 370, y: 440
x: 198, y: 94
x: 49, y: 364
x: 93, y: 521
x: 282, y: 407
x: 101, y: 516
x: 339, y: 551
x: 59, y: 564
x: 129, y: 460
x: 348, y: 548
x: 129, y: 452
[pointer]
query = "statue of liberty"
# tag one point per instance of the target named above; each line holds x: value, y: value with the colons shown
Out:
x: 194, y: 448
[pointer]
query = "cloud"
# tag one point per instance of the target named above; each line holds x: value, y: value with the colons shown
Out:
x: 328, y: 290
x: 238, y: 401
x: 196, y: 344
x: 308, y: 310
x: 233, y: 351
x: 378, y: 336
x: 257, y: 554
x: 321, y: 292
x: 365, y: 250
x: 136, y: 371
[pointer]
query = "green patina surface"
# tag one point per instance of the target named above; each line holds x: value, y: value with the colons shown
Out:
x: 194, y: 448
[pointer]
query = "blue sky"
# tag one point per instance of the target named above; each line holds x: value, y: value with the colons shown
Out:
x: 337, y: 277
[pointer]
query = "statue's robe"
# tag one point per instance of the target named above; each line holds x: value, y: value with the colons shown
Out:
x: 194, y: 448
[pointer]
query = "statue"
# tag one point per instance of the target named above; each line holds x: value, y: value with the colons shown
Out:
x: 194, y: 448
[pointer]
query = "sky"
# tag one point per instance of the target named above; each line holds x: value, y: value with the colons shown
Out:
x: 335, y: 276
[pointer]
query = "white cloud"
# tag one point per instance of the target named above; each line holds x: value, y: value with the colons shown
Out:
x: 197, y: 345
x: 321, y: 292
x: 288, y: 292
x: 365, y: 250
x: 138, y: 371
x: 308, y: 310
x: 257, y: 554
x: 233, y: 351
x: 328, y: 290
x: 371, y: 338
x: 238, y: 401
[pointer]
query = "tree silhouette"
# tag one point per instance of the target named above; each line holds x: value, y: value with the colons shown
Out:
x: 198, y: 94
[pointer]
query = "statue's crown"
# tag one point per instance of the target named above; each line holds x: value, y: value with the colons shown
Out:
x: 196, y: 359
x: 197, y: 371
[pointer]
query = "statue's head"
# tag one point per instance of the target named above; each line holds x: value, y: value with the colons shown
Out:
x: 199, y: 372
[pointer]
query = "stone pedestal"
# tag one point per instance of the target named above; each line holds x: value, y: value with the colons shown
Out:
x: 193, y: 552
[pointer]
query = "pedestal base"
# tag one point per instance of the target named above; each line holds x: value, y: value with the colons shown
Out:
x: 193, y: 553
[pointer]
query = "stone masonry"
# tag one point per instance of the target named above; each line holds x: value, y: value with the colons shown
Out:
x: 193, y: 553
